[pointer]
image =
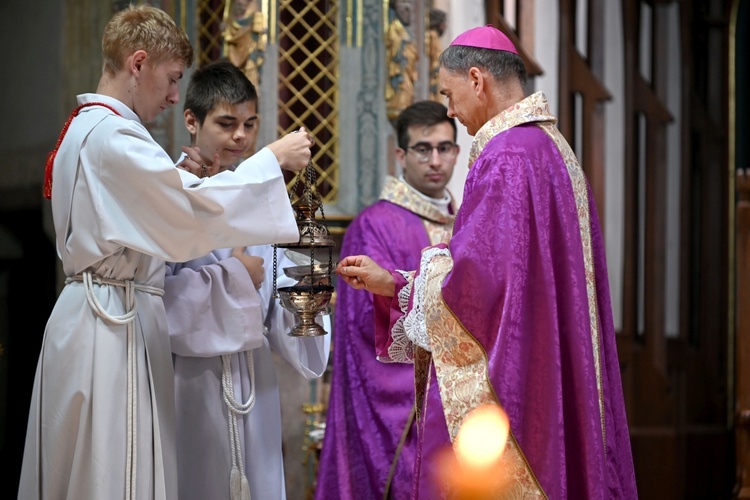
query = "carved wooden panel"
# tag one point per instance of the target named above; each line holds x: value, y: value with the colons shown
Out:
x: 676, y: 388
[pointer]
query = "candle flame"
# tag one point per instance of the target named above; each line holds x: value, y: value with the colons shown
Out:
x: 481, y: 440
x: 474, y: 467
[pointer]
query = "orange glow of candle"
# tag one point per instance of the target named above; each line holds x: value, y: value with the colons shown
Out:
x: 480, y: 442
x: 473, y: 469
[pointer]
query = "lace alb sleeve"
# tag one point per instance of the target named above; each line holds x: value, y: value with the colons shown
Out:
x: 415, y: 327
x: 401, y: 349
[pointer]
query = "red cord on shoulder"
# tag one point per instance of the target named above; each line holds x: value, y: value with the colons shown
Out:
x: 51, y: 155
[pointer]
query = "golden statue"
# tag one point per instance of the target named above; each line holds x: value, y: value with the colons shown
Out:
x: 434, y: 48
x: 401, y: 58
x: 244, y: 33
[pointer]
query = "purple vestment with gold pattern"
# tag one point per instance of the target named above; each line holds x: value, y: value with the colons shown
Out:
x: 516, y: 310
x: 370, y: 402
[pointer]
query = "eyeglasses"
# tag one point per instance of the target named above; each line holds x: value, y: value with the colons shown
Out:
x: 446, y: 150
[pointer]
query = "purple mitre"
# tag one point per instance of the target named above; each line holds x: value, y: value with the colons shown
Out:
x: 485, y: 37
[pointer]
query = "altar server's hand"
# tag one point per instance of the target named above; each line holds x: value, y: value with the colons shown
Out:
x: 253, y: 265
x: 193, y: 163
x: 293, y: 150
x: 361, y: 272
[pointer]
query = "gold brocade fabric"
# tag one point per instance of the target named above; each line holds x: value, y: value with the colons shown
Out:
x: 460, y: 362
x: 535, y: 109
x: 463, y: 378
x: 438, y: 225
x: 580, y: 191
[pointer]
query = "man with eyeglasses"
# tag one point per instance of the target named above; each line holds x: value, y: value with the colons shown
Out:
x: 514, y: 312
x: 369, y: 448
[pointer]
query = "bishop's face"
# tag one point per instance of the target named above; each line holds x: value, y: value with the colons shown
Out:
x: 462, y: 100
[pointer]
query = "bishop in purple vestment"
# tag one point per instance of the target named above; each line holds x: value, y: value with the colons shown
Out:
x: 515, y: 309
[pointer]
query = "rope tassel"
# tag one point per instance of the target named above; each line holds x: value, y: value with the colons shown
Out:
x: 239, y: 488
x: 235, y: 484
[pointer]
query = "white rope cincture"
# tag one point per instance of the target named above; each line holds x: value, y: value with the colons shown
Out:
x: 239, y: 488
x: 130, y: 286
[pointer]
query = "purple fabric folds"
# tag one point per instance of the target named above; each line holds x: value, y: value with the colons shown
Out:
x: 517, y: 234
x: 370, y: 401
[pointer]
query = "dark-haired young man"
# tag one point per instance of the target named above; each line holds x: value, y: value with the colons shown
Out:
x: 225, y: 325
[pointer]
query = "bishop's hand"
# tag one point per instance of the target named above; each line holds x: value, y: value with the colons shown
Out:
x: 361, y: 272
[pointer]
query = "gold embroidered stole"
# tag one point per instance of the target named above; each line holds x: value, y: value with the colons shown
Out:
x: 581, y: 194
x: 438, y: 225
x: 463, y: 378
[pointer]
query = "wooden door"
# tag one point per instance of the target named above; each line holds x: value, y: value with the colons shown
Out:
x: 739, y: 161
x: 678, y: 383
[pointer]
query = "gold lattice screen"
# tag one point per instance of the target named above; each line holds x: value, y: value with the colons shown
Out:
x: 308, y: 42
x: 208, y: 16
x: 308, y: 82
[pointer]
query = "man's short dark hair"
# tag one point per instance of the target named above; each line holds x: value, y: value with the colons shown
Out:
x: 499, y: 63
x: 216, y: 83
x: 423, y: 113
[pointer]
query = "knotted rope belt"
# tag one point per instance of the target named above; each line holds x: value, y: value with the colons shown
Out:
x: 89, y: 280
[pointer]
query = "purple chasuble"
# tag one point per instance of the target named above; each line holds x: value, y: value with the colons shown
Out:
x: 529, y: 283
x: 370, y: 401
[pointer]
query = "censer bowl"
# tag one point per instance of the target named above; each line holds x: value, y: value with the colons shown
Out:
x: 306, y: 302
x: 308, y: 274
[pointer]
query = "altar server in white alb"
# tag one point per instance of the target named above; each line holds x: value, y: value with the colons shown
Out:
x: 101, y: 421
x: 224, y: 324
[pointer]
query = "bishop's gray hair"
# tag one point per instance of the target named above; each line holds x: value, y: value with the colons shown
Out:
x: 499, y: 63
